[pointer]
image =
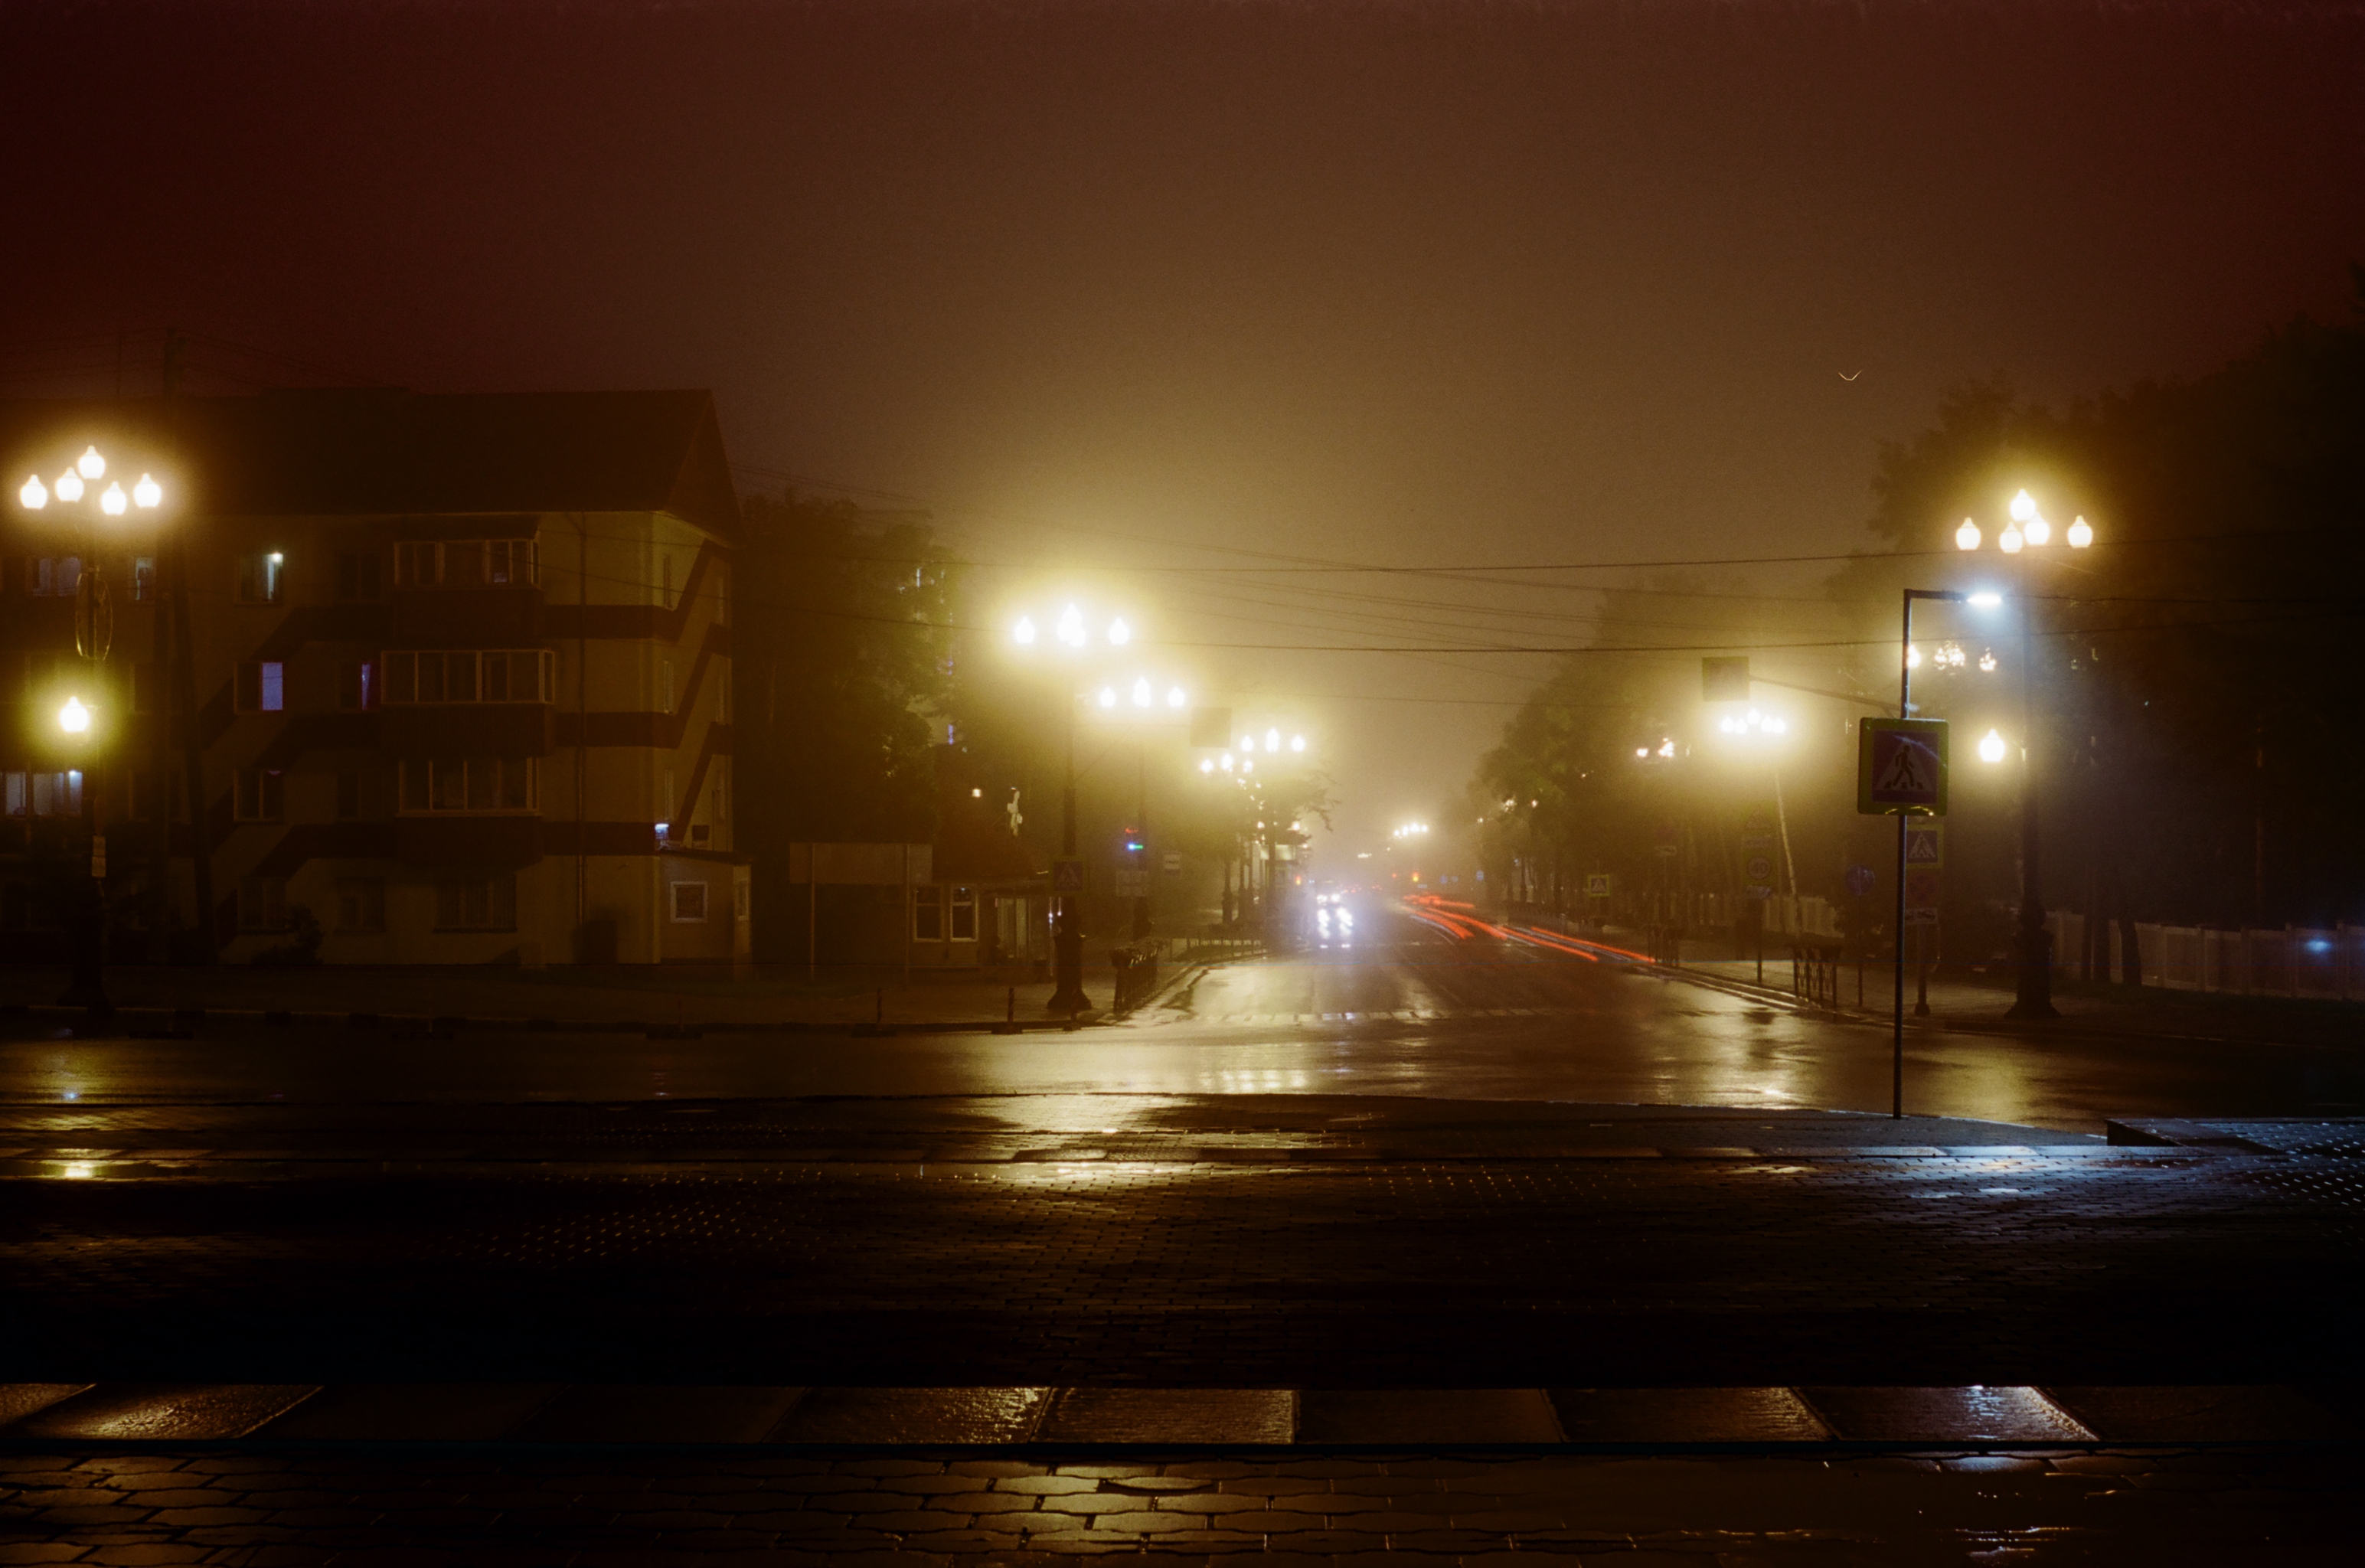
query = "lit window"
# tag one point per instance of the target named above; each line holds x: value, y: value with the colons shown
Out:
x: 262, y: 577
x: 261, y: 687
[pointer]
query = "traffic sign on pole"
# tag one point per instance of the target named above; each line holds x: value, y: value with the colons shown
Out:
x: 1920, y: 896
x: 1925, y: 845
x: 1067, y: 873
x: 1900, y: 766
x: 1724, y: 680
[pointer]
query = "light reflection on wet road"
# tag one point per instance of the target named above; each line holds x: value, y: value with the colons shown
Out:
x: 1411, y: 1013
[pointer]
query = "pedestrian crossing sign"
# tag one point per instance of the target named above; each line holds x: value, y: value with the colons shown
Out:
x: 1900, y: 766
x: 1067, y: 873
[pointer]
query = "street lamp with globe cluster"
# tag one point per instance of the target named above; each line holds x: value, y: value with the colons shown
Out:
x: 2027, y: 531
x: 75, y: 495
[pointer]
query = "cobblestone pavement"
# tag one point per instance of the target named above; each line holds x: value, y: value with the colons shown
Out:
x: 2151, y: 1507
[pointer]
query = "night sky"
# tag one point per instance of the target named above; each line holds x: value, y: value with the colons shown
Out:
x: 1156, y: 285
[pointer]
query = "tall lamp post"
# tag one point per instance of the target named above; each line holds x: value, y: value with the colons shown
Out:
x: 1139, y: 707
x: 1071, y: 637
x: 2028, y: 529
x: 78, y: 723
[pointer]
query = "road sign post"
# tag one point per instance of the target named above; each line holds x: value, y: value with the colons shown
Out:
x: 1900, y: 770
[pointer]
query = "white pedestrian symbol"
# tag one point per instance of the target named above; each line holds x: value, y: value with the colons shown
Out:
x: 1907, y: 771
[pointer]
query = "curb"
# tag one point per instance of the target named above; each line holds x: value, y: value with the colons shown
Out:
x: 183, y: 1024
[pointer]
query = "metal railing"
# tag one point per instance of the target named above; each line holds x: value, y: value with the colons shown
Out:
x: 1815, y: 976
x: 1137, y: 974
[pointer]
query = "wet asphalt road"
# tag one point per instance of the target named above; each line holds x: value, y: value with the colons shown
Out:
x: 1405, y: 1011
x: 1385, y: 1165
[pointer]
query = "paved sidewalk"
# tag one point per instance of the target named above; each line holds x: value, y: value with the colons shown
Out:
x: 1978, y: 1004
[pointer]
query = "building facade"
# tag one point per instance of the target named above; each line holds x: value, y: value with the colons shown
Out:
x: 446, y: 679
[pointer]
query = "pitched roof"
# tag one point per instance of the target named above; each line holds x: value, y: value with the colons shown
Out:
x: 386, y: 451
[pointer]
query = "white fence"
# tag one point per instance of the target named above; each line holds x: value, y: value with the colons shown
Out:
x: 2294, y: 961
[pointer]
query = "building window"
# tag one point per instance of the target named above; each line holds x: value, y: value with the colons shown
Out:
x: 689, y: 900
x: 42, y: 794
x: 360, y: 903
x: 358, y: 576
x: 261, y: 903
x: 357, y: 686
x: 964, y: 912
x: 348, y: 796
x: 927, y: 914
x: 495, y: 675
x: 510, y: 562
x: 482, y: 785
x: 143, y: 579
x: 259, y: 795
x: 477, y: 903
x: 466, y: 563
x: 57, y: 576
x: 261, y: 687
x: 262, y: 577
x: 739, y: 900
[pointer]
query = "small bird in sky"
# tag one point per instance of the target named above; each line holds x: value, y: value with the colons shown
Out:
x: 1843, y: 375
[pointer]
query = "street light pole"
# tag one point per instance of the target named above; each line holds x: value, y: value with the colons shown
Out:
x: 2033, y: 996
x: 1905, y: 711
x: 2032, y: 992
x: 94, y: 637
x: 1067, y: 936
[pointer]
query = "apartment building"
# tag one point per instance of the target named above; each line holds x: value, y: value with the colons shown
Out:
x: 453, y: 687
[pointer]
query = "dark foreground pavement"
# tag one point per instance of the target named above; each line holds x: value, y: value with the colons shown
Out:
x: 1292, y: 1241
x: 1945, y: 1341
x: 924, y: 1510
